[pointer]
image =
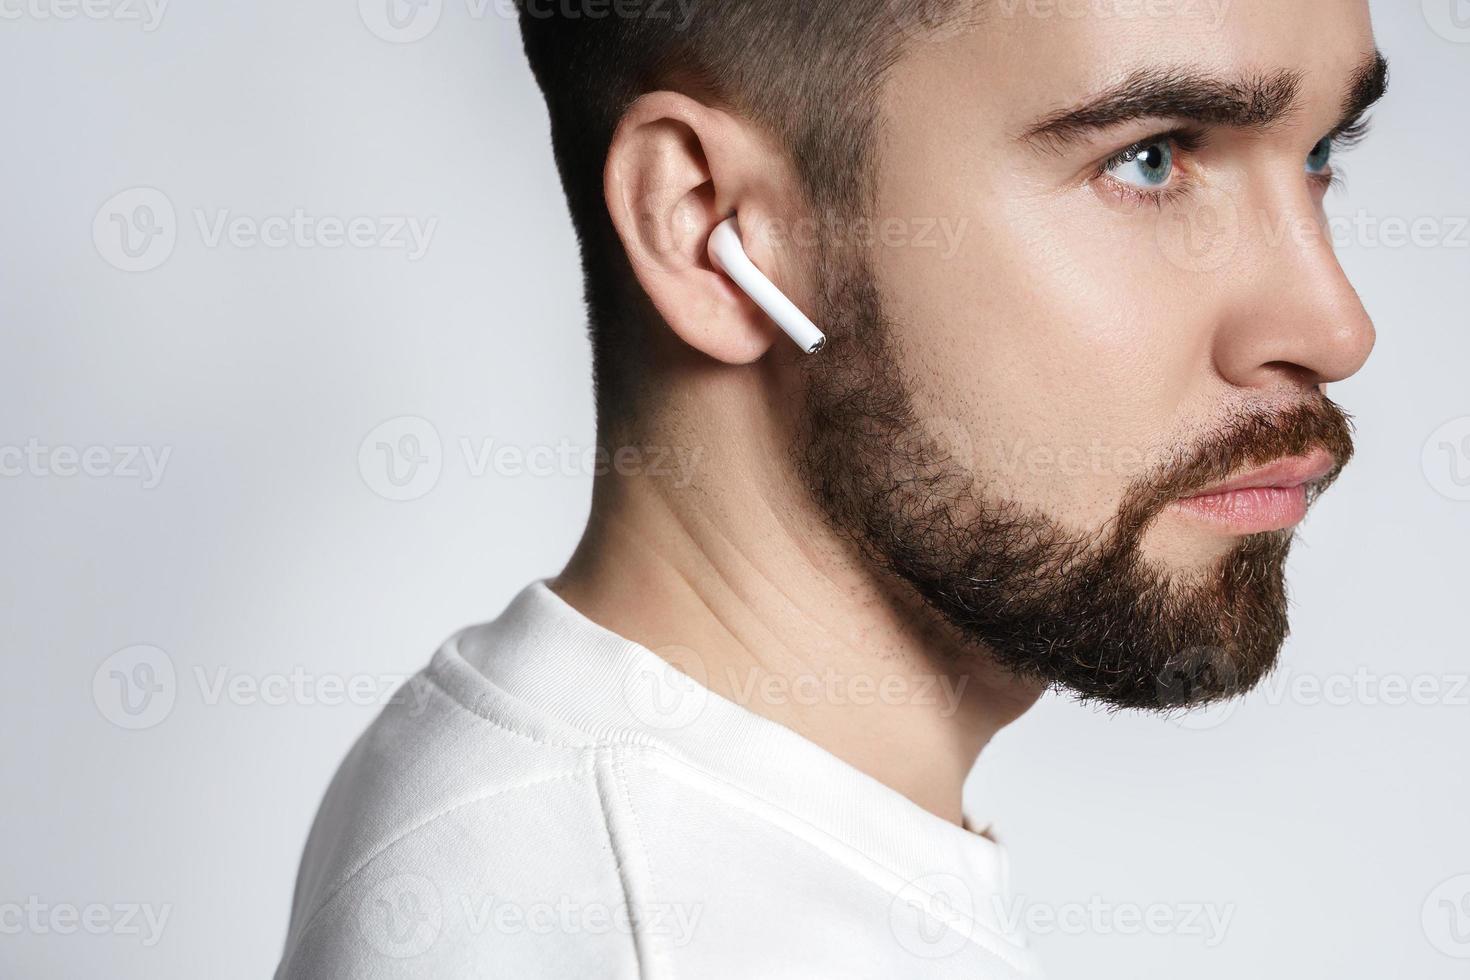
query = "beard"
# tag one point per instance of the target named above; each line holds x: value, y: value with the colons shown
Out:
x: 1085, y: 611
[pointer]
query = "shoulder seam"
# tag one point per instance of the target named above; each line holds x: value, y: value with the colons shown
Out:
x: 608, y: 778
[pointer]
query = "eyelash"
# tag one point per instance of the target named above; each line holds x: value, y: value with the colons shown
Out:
x: 1344, y: 138
x: 1349, y: 136
x: 1185, y: 141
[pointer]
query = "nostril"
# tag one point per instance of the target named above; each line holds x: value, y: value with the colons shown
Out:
x: 1299, y: 375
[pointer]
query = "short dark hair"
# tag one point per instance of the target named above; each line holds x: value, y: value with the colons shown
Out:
x: 808, y: 71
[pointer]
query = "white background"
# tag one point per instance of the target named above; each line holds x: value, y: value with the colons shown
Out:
x: 1322, y: 823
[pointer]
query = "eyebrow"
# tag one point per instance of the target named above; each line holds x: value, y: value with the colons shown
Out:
x: 1252, y: 102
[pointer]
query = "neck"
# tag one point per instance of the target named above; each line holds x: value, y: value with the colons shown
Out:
x: 783, y: 617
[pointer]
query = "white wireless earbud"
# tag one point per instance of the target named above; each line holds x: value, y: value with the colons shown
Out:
x: 728, y: 255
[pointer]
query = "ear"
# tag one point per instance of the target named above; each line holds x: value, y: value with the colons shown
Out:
x: 675, y: 170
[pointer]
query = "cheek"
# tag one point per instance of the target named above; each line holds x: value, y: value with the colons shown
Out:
x: 1052, y: 339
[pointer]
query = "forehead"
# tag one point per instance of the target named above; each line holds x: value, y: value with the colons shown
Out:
x: 1025, y: 58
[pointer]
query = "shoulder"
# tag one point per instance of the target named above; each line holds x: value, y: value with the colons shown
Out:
x: 455, y: 833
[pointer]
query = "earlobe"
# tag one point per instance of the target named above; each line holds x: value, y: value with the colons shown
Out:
x: 672, y: 166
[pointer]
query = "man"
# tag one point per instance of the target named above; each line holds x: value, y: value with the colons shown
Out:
x: 1081, y: 312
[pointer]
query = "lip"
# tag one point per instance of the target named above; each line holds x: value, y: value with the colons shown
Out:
x: 1269, y: 498
x: 1284, y: 474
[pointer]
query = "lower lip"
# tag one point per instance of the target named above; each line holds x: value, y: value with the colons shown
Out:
x: 1251, y: 511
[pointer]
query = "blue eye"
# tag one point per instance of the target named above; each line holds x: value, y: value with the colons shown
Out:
x: 1146, y: 165
x: 1320, y: 157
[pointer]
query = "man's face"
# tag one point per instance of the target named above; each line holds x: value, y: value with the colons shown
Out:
x: 1101, y: 290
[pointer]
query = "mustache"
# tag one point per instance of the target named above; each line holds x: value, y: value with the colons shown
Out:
x: 1249, y: 440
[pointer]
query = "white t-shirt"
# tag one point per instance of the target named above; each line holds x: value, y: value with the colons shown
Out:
x: 549, y: 800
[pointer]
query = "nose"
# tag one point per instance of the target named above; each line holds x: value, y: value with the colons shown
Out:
x: 1296, y: 316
